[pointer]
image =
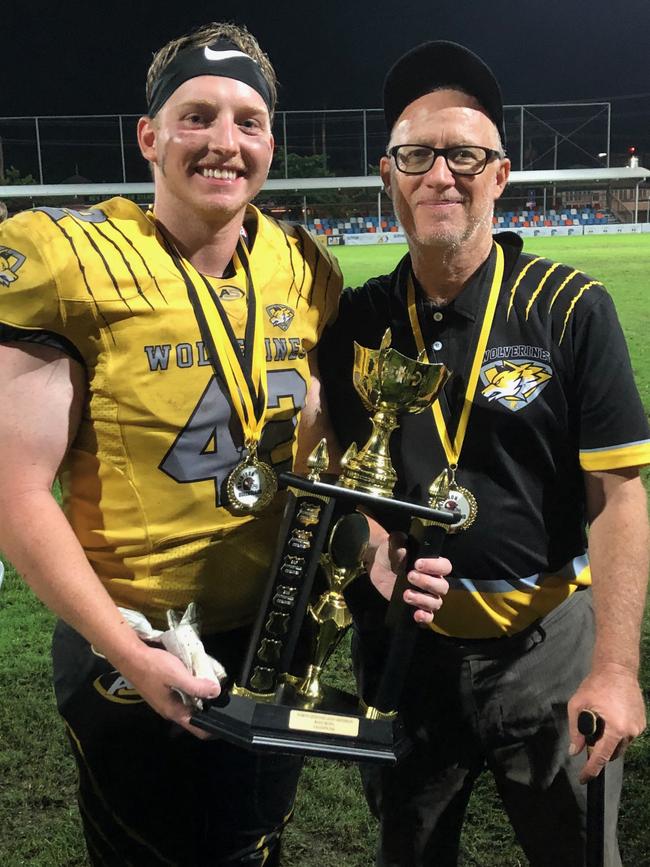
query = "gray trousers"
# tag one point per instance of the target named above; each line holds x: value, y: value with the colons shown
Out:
x: 500, y: 704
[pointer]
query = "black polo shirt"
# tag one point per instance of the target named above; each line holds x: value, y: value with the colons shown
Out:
x: 555, y: 396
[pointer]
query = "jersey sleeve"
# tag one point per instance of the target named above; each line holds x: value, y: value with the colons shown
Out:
x: 614, y: 430
x: 327, y: 280
x: 28, y: 289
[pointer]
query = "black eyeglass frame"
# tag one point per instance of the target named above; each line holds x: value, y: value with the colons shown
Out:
x: 490, y: 154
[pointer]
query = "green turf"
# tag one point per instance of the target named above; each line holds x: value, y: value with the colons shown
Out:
x: 331, y: 827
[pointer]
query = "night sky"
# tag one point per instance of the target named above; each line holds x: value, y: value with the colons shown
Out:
x: 77, y: 58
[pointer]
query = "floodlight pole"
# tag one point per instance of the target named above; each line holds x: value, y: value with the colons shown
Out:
x: 119, y: 117
x: 284, y: 139
x: 38, y: 150
x: 365, y: 143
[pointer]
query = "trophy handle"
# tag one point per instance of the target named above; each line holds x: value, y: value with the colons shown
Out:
x: 424, y: 540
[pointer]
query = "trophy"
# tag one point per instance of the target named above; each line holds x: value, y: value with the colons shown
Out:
x: 279, y: 701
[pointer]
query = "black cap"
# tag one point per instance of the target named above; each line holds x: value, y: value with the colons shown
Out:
x: 437, y: 64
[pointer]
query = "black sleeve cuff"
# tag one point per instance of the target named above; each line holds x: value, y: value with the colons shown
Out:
x: 10, y: 334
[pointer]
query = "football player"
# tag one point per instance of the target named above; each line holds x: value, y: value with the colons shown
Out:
x: 162, y: 360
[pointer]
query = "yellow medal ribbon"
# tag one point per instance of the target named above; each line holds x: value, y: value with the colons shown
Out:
x: 453, y: 449
x: 230, y: 356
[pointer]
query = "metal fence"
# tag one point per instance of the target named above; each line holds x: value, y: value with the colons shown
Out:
x: 103, y: 148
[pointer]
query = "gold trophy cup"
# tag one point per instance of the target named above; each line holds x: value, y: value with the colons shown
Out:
x: 389, y: 384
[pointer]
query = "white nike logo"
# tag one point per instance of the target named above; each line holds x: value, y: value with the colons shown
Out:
x: 211, y: 54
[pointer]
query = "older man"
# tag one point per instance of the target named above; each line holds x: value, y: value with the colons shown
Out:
x: 539, y: 433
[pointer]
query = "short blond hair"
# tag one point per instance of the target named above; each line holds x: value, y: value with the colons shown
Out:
x: 206, y: 35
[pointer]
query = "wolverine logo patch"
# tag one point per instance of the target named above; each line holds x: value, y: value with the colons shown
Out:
x: 515, y: 383
x: 280, y: 315
x: 10, y: 262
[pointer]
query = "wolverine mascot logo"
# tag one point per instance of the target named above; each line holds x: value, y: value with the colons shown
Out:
x: 514, y: 384
x: 10, y: 262
x: 280, y: 315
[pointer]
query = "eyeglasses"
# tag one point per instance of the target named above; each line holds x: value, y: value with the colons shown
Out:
x: 416, y: 159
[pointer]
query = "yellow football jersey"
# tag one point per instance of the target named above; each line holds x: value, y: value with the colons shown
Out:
x: 142, y: 482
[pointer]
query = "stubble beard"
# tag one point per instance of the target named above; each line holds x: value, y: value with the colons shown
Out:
x: 450, y: 240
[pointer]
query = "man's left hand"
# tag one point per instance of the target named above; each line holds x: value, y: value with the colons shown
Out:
x: 427, y: 577
x: 611, y: 691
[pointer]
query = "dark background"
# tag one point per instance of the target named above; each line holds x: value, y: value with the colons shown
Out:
x: 91, y: 58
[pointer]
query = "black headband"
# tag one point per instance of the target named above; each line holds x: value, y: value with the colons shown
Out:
x: 221, y: 57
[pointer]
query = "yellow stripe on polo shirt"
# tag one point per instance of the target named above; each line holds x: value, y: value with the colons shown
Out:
x: 635, y: 454
x: 494, y: 609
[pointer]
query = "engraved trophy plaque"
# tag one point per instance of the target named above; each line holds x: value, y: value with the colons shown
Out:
x: 280, y: 701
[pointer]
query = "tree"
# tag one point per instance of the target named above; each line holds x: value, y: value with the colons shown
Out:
x: 12, y: 177
x: 297, y: 166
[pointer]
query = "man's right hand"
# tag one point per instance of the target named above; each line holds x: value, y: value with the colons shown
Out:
x: 157, y: 675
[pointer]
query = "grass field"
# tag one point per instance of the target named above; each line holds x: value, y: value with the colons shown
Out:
x: 331, y: 827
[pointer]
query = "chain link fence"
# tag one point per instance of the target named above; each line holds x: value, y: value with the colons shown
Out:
x: 343, y: 143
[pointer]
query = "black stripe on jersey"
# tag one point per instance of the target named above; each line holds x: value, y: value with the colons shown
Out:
x: 116, y: 286
x: 82, y: 270
x: 285, y: 231
x: 126, y: 263
x: 322, y: 256
x: 138, y: 253
x: 300, y: 237
x: 327, y: 285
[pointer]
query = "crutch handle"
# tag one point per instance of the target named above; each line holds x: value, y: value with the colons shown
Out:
x: 590, y: 726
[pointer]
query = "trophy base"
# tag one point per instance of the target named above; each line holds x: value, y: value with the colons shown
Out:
x: 334, y: 729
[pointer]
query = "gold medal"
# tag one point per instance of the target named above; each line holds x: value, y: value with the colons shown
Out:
x: 445, y: 491
x: 251, y: 486
x: 460, y: 501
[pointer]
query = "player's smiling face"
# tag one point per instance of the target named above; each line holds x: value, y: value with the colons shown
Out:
x: 211, y: 147
x: 439, y: 208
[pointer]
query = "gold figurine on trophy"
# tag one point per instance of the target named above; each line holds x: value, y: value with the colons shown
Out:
x: 330, y: 614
